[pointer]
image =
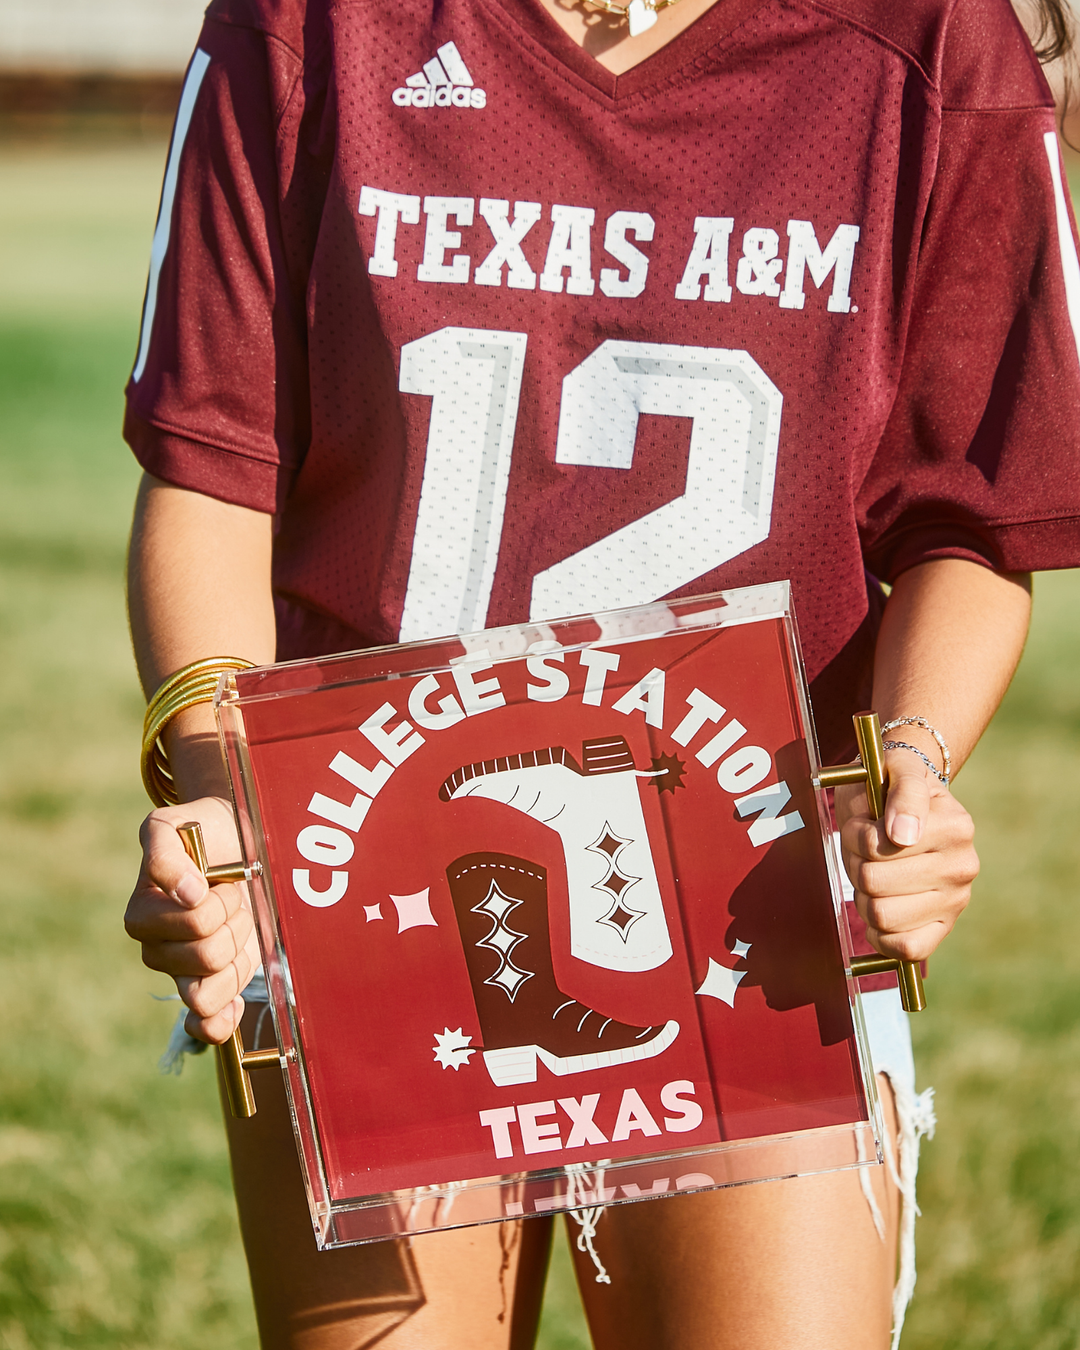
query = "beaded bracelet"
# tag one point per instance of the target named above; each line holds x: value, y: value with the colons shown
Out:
x: 195, y: 683
x: 921, y: 721
x: 903, y: 745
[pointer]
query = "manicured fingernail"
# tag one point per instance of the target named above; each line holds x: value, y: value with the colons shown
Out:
x: 190, y: 890
x: 905, y: 830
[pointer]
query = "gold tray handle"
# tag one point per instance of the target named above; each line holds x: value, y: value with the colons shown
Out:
x: 235, y: 1061
x: 872, y: 772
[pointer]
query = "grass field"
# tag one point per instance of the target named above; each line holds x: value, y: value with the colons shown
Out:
x: 116, y: 1220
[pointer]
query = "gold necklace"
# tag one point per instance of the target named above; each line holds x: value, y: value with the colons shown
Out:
x: 640, y: 14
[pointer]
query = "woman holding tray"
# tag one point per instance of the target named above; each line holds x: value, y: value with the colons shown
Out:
x: 865, y: 202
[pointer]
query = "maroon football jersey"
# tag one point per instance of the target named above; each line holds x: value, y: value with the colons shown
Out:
x: 499, y: 335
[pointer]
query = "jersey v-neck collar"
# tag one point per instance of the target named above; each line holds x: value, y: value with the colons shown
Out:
x: 705, y: 32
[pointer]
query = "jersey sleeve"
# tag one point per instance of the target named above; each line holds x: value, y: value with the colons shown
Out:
x: 217, y: 400
x: 981, y: 455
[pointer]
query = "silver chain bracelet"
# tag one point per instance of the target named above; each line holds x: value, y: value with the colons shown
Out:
x: 903, y: 745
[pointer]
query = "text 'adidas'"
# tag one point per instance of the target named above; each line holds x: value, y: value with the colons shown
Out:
x: 444, y: 82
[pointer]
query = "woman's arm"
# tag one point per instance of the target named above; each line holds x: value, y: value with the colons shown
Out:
x: 951, y: 638
x: 198, y: 586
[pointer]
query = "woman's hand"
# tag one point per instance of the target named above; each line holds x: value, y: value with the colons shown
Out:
x: 912, y: 870
x: 203, y: 936
x: 950, y: 638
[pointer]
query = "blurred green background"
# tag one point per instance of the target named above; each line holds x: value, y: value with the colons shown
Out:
x: 117, y: 1225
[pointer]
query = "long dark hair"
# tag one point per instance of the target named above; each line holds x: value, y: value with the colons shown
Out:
x: 1053, y: 32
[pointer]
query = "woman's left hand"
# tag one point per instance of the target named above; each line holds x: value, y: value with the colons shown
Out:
x: 912, y: 870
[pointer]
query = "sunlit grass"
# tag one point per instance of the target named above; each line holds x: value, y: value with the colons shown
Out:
x: 116, y: 1223
x: 1000, y: 1243
x: 117, y: 1226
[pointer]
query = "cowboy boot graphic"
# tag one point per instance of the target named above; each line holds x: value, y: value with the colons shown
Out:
x: 617, y: 918
x: 501, y: 907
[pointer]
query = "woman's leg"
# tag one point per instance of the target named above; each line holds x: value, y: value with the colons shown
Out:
x: 465, y: 1289
x: 781, y: 1265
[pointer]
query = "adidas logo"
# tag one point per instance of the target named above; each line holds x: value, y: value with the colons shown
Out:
x: 444, y: 82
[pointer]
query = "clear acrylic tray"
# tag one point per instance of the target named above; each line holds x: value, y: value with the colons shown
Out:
x: 550, y: 916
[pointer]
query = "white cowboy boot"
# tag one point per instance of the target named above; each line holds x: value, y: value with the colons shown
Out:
x: 617, y: 918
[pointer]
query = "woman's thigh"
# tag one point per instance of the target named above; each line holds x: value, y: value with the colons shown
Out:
x: 464, y: 1289
x: 783, y: 1265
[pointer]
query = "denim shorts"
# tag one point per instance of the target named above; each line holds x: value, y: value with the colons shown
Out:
x: 889, y: 1032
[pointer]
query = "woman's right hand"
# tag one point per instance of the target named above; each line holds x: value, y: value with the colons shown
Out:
x: 203, y: 936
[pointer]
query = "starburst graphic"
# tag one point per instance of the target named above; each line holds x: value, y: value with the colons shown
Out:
x: 502, y: 940
x: 452, y: 1049
x: 667, y: 772
x: 616, y: 882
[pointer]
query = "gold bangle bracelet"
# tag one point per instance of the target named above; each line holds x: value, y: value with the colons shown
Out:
x: 194, y: 683
x: 210, y: 666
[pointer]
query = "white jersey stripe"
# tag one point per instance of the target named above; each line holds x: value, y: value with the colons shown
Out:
x: 1070, y: 266
x: 417, y: 81
x: 454, y: 66
x: 192, y: 83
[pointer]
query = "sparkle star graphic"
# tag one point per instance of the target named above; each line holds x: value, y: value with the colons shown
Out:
x: 414, y: 911
x: 721, y: 981
x: 668, y: 773
x: 451, y: 1049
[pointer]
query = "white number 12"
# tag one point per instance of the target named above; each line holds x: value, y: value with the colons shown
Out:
x: 474, y: 378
